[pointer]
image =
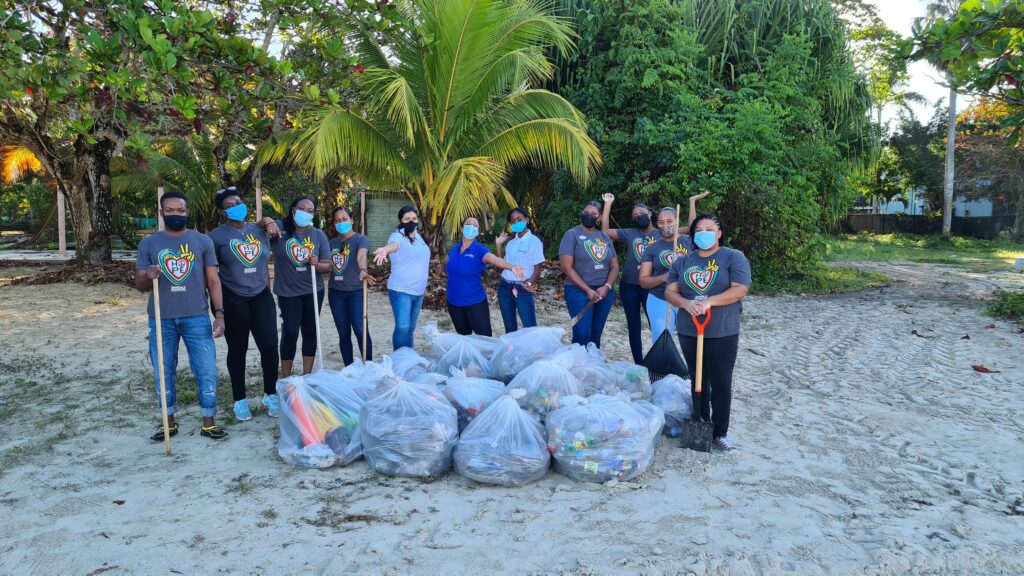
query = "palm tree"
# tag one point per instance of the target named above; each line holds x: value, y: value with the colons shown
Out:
x: 445, y: 111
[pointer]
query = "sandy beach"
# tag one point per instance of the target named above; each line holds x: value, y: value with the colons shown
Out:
x: 869, y: 445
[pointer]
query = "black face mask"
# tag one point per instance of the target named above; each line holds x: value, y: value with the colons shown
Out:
x: 642, y: 221
x: 588, y: 220
x: 409, y: 227
x: 175, y: 222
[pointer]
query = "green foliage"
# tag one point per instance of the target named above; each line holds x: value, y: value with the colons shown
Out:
x: 824, y: 280
x: 1008, y: 306
x: 756, y: 102
x: 970, y: 252
x: 25, y: 205
x: 446, y: 109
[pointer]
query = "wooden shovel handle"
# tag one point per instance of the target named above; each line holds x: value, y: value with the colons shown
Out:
x: 702, y: 325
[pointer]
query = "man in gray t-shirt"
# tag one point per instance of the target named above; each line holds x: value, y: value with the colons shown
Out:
x: 244, y: 255
x: 184, y: 264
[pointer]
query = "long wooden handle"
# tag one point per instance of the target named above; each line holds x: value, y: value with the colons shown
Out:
x: 316, y: 316
x: 700, y: 367
x: 160, y: 365
x: 365, y: 291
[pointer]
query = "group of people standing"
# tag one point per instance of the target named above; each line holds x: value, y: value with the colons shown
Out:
x: 666, y: 266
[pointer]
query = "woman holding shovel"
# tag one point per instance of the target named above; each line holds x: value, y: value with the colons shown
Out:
x: 300, y: 246
x: 711, y: 280
x: 346, y: 285
x: 243, y: 250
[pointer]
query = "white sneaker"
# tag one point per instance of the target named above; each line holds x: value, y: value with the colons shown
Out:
x: 724, y: 444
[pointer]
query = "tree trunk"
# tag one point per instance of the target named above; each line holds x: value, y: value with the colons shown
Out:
x: 92, y: 182
x: 1018, y: 222
x: 947, y: 185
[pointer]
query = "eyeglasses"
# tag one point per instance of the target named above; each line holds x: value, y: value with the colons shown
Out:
x: 228, y: 189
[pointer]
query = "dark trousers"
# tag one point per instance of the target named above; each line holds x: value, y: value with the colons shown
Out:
x: 347, y: 309
x: 716, y: 390
x: 591, y: 325
x: 297, y: 314
x: 472, y: 319
x: 521, y: 301
x: 256, y: 315
x: 634, y: 300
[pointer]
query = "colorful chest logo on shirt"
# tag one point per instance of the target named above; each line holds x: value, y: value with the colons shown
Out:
x: 667, y: 257
x: 640, y: 245
x: 247, y: 251
x: 596, y: 249
x: 298, y: 253
x: 339, y: 258
x: 176, y: 266
x: 701, y: 279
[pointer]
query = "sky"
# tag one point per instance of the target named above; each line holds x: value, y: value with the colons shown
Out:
x: 924, y: 79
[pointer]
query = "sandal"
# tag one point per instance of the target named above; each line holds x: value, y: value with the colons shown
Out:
x: 215, y: 432
x: 159, y: 436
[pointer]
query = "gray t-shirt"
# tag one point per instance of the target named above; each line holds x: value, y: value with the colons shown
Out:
x: 635, y: 242
x: 710, y: 275
x: 291, y: 271
x: 661, y: 256
x: 592, y: 255
x: 345, y: 262
x: 244, y: 256
x: 183, y: 261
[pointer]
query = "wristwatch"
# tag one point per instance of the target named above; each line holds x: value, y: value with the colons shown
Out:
x: 608, y: 286
x: 218, y: 311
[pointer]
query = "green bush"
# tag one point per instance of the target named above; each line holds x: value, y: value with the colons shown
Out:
x: 1008, y: 306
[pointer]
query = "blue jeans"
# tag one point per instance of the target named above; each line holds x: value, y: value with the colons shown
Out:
x: 406, y: 308
x: 590, y: 327
x: 197, y: 332
x: 634, y: 299
x: 656, y: 308
x: 347, y: 309
x: 509, y: 304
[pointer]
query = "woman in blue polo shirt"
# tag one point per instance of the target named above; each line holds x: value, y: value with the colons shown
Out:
x: 467, y: 300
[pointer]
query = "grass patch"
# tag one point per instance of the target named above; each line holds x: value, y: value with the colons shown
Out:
x: 825, y: 280
x: 1008, y: 306
x: 971, y: 252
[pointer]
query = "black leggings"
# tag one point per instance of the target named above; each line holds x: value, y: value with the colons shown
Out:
x: 297, y: 312
x: 256, y: 315
x: 719, y: 360
x: 472, y: 319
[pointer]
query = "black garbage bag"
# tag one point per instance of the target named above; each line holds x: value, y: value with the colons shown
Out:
x: 664, y: 358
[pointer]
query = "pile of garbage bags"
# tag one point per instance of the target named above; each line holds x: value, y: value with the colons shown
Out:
x: 603, y: 438
x: 499, y: 410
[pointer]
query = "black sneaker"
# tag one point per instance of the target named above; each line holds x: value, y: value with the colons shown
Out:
x: 215, y: 432
x: 159, y: 435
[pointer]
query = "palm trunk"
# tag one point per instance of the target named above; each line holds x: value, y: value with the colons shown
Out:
x: 92, y: 182
x: 947, y: 185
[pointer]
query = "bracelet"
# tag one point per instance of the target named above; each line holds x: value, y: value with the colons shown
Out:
x: 608, y: 286
x: 218, y: 311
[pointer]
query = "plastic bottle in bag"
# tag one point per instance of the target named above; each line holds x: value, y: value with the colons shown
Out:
x: 408, y: 429
x: 315, y: 431
x: 672, y: 394
x: 634, y: 379
x: 346, y: 396
x: 505, y: 445
x: 470, y: 396
x: 545, y: 384
x: 601, y: 438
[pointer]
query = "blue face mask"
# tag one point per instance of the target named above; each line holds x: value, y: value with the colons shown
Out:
x: 343, y: 227
x: 470, y: 231
x: 302, y: 219
x: 705, y: 239
x: 518, y: 227
x: 238, y: 212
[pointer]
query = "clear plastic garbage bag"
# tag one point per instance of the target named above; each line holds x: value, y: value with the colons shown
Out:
x: 319, y: 420
x: 470, y: 396
x: 408, y: 429
x: 545, y: 384
x: 672, y: 394
x: 517, y: 350
x: 505, y: 445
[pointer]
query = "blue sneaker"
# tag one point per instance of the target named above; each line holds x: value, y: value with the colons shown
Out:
x: 273, y: 405
x: 242, y: 410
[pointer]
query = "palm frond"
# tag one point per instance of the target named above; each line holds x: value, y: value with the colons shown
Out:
x: 551, y: 143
